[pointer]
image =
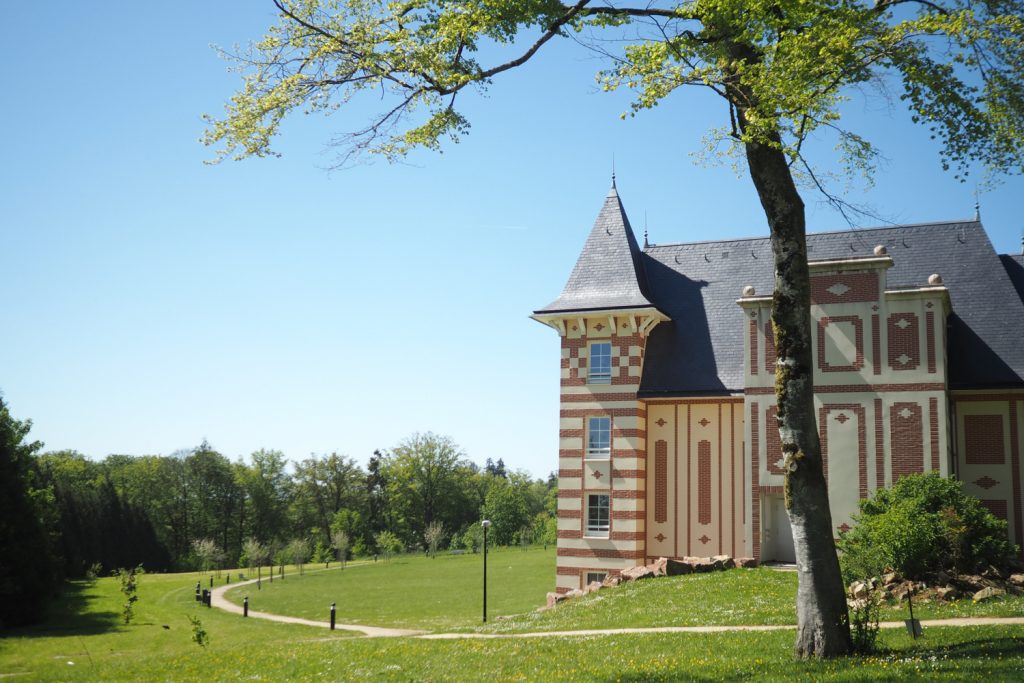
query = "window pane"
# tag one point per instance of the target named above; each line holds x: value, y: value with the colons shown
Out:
x: 599, y: 436
x: 600, y: 363
x: 597, y: 513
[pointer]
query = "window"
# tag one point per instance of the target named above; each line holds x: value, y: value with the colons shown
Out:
x: 600, y: 363
x: 599, y: 437
x: 595, y: 576
x: 597, y: 513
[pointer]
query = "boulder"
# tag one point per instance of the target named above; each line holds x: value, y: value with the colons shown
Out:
x: 947, y: 593
x: 970, y: 583
x: 637, y: 573
x: 890, y: 578
x: 592, y: 586
x: 988, y: 593
x: 552, y: 599
x: 746, y: 562
x: 658, y: 567
x: 574, y: 593
x: 1017, y: 580
x: 611, y: 581
x: 723, y: 561
x: 858, y: 589
x: 701, y: 565
x: 678, y: 568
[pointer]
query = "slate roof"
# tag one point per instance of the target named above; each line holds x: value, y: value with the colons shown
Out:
x: 700, y: 351
x: 609, y: 273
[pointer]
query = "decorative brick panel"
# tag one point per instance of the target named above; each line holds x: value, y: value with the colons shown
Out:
x: 983, y: 438
x: 906, y: 439
x: 661, y: 481
x: 997, y: 507
x: 933, y: 430
x: 876, y: 344
x: 769, y: 348
x: 704, y: 482
x: 772, y: 442
x: 929, y: 341
x: 844, y: 288
x: 904, y: 342
x: 858, y: 342
x: 862, y: 440
x: 753, y: 347
x: 879, y: 445
x: 755, y: 476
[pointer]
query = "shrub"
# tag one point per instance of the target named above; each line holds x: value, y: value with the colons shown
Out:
x: 923, y: 524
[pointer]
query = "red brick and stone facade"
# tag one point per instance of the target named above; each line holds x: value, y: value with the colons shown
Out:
x: 910, y: 376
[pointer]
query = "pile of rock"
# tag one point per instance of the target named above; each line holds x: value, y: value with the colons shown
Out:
x: 941, y: 587
x: 663, y: 566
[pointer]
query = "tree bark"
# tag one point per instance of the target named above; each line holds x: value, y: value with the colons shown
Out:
x: 822, y: 620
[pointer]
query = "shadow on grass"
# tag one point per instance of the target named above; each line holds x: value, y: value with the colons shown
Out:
x: 70, y: 615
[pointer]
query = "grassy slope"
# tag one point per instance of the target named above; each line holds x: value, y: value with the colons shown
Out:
x: 91, y: 636
x: 412, y: 591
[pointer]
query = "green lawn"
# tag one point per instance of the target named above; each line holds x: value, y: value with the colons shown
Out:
x: 739, y: 596
x: 85, y: 641
x: 412, y: 591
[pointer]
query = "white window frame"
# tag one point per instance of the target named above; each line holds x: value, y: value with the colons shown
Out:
x: 595, y: 576
x: 592, y: 376
x: 599, y: 452
x: 594, y: 507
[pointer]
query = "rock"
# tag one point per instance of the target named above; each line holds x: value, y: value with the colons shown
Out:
x: 574, y: 593
x: 988, y: 593
x: 899, y: 591
x: 611, y: 581
x: 1017, y: 580
x: 858, y: 589
x: 726, y: 561
x: 636, y: 573
x: 746, y: 562
x: 592, y: 586
x: 941, y: 578
x: 701, y: 565
x: 658, y: 567
x: 890, y: 578
x: 552, y: 599
x: 970, y: 583
x: 858, y: 603
x: 993, y: 573
x: 677, y: 568
x: 947, y: 593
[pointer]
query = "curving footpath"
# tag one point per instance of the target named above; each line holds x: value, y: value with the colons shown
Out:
x: 218, y: 600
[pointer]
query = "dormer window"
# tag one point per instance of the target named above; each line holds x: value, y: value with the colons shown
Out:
x: 600, y: 363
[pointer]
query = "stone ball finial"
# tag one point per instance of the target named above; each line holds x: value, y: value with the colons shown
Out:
x: 748, y: 291
x: 880, y: 250
x: 935, y: 279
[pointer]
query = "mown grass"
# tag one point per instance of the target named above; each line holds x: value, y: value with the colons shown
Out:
x: 412, y: 591
x: 85, y: 641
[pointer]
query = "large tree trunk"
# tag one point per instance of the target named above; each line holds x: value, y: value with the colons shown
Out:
x: 822, y: 620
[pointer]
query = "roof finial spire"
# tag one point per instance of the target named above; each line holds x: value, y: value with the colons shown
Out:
x: 613, y: 170
x: 977, y: 204
x: 646, y: 243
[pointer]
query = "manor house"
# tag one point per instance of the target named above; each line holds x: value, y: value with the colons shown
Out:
x: 668, y: 443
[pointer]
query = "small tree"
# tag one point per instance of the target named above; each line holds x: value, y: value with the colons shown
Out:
x: 432, y: 536
x: 388, y: 544
x: 473, y: 538
x: 341, y: 545
x: 298, y: 552
x: 206, y: 552
x: 256, y: 555
x: 129, y: 579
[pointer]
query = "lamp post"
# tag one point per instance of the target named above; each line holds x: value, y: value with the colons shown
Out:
x: 486, y: 524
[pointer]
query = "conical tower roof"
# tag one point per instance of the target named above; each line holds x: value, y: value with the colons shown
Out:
x: 609, y: 273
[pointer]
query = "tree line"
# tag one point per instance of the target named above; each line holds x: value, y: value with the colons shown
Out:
x: 65, y: 515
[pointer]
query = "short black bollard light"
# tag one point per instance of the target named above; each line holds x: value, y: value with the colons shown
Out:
x: 198, y: 595
x: 227, y: 579
x: 332, y: 616
x: 206, y: 597
x: 211, y: 580
x: 245, y: 606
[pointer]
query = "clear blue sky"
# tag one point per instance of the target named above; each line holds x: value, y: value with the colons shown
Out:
x: 151, y: 301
